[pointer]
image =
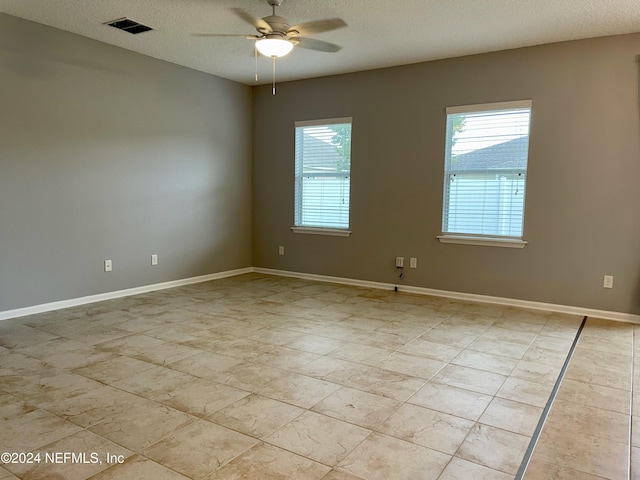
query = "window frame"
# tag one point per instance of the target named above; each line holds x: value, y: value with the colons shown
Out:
x: 298, y: 191
x: 477, y: 238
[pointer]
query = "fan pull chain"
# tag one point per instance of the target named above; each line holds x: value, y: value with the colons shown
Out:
x: 255, y: 50
x: 273, y: 88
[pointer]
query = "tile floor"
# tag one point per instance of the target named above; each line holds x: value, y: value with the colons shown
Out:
x: 587, y: 433
x: 264, y: 377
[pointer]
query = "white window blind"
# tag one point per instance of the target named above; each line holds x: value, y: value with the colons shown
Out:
x: 322, y: 173
x: 486, y: 169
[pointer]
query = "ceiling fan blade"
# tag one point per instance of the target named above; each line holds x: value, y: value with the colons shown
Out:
x: 258, y: 23
x: 313, y: 44
x: 319, y: 26
x: 239, y: 35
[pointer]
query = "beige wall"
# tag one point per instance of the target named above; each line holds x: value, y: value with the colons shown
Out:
x: 107, y: 154
x: 582, y: 207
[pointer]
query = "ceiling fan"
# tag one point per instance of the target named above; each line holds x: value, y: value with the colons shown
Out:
x: 276, y: 37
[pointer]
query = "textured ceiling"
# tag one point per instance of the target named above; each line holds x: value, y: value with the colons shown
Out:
x: 379, y: 33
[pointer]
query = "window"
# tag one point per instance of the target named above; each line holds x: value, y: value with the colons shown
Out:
x: 485, y: 173
x: 322, y: 176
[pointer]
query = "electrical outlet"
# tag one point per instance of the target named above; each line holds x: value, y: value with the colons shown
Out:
x: 413, y: 263
x: 108, y: 266
x: 608, y: 281
x: 281, y: 250
x: 399, y: 262
x: 154, y: 259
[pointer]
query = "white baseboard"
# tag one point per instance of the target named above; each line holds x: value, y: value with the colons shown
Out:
x: 73, y: 302
x: 550, y: 307
x: 512, y: 302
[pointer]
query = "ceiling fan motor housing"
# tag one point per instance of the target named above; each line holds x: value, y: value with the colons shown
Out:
x: 278, y: 24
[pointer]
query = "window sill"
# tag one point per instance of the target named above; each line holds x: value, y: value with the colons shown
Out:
x: 335, y: 232
x: 482, y: 241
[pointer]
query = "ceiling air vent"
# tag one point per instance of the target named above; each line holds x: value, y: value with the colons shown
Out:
x: 128, y: 25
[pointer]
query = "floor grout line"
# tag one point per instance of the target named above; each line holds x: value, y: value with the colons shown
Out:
x: 545, y: 413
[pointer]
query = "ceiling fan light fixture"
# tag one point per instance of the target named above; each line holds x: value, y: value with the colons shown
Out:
x: 274, y: 47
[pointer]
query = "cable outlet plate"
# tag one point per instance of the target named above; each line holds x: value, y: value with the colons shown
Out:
x: 108, y: 266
